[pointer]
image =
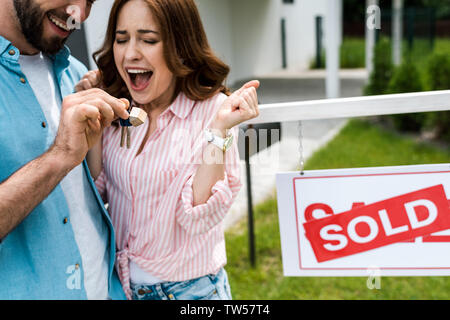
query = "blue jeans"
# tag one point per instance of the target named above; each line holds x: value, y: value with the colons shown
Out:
x: 209, y: 287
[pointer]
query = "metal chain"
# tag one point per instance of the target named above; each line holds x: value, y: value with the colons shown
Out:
x: 300, y: 146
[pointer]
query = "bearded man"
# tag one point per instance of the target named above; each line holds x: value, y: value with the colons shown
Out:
x: 56, y: 239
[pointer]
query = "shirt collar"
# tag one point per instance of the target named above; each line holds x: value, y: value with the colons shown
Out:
x: 182, y: 106
x: 6, y: 46
x: 6, y: 49
x: 61, y: 59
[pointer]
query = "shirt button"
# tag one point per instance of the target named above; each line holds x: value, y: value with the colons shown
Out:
x: 44, y: 125
x: 22, y: 80
x: 12, y: 52
x: 65, y: 220
x: 77, y: 266
x: 170, y: 296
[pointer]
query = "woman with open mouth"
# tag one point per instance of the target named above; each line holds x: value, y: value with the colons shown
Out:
x: 169, y: 192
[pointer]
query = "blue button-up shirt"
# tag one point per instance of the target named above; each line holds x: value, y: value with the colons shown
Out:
x: 40, y: 258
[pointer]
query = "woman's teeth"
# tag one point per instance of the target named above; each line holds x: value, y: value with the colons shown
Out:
x: 132, y: 71
x: 58, y: 22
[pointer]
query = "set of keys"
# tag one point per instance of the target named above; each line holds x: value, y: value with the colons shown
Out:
x: 137, y: 118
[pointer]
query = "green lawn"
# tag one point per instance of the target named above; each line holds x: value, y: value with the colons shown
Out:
x: 360, y: 144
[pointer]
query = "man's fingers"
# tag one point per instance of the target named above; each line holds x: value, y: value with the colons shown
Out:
x: 118, y: 105
x: 127, y: 103
x: 95, y: 126
x: 106, y: 112
x: 85, y: 112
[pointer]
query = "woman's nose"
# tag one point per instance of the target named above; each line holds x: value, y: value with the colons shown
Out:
x: 132, y: 52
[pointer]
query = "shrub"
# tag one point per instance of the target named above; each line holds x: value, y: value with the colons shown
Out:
x: 438, y: 71
x: 313, y: 62
x: 438, y: 78
x: 406, y: 78
x: 382, y: 69
x: 352, y: 53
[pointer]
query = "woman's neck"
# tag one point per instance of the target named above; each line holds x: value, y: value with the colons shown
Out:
x: 160, y: 104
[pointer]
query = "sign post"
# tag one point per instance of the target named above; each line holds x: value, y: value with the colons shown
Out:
x: 254, y: 139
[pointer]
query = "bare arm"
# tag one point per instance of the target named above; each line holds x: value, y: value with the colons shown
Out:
x: 92, y: 79
x: 83, y: 117
x: 208, y: 174
x: 27, y: 187
x: 94, y: 160
x: 241, y: 106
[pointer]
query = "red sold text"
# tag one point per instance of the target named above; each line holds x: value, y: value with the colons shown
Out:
x: 367, y: 227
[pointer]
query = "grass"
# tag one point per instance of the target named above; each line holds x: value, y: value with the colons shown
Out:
x: 359, y: 144
x: 353, y: 53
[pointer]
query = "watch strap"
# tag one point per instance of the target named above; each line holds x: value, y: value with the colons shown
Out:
x: 220, y: 142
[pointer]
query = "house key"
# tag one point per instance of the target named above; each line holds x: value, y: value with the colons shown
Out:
x: 137, y: 118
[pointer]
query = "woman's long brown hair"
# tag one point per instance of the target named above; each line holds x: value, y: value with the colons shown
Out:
x: 199, y: 72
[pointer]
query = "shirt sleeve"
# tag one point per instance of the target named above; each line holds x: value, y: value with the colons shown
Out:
x: 202, y: 218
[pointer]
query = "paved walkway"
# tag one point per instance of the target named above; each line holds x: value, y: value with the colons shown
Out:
x: 285, y: 155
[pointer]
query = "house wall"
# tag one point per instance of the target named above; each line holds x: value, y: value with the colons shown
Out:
x: 246, y: 34
x: 95, y: 27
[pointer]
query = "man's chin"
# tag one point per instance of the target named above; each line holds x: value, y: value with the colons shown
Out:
x: 52, y: 45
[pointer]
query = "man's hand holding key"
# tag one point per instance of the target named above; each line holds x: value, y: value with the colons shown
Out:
x: 84, y: 115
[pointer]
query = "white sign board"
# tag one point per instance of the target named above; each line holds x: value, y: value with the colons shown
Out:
x: 343, y: 222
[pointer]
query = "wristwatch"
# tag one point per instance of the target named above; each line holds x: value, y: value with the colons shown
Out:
x: 223, y: 143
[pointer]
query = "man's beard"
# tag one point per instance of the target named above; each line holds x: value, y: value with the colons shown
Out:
x: 31, y: 20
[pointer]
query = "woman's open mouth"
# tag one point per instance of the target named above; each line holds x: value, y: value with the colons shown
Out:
x: 139, y: 78
x: 58, y: 25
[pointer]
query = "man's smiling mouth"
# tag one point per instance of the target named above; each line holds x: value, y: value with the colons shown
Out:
x: 58, y: 22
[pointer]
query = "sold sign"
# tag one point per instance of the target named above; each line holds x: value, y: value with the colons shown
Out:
x: 379, y: 224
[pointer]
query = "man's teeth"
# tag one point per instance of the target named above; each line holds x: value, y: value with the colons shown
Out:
x: 133, y: 71
x: 58, y: 23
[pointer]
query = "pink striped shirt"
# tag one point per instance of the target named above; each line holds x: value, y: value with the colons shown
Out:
x: 150, y: 196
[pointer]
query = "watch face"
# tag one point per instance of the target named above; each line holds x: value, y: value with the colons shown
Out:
x: 227, y: 143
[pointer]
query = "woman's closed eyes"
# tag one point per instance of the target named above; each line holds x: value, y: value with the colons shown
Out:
x: 122, y: 41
